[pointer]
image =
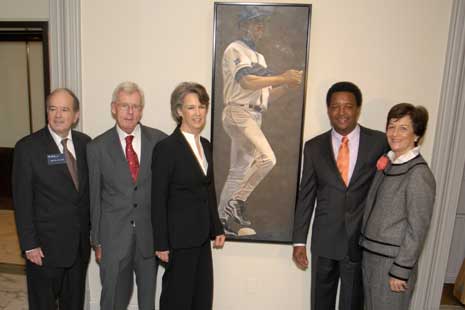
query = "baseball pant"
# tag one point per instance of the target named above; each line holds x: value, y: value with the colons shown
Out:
x: 251, y: 155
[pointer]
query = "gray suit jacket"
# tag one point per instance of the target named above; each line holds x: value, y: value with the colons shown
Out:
x: 398, y: 212
x: 339, y: 209
x: 115, y: 201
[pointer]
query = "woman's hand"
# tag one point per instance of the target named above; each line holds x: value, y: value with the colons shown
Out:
x: 397, y: 285
x: 218, y: 243
x: 164, y: 256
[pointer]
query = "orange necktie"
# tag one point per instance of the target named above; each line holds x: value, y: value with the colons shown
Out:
x: 343, y: 160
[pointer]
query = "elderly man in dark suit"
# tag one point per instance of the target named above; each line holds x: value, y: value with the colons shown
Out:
x: 120, y: 179
x: 339, y: 166
x: 51, y: 200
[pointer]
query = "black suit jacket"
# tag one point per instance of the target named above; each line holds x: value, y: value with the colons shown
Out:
x: 339, y: 208
x: 50, y: 213
x: 184, y: 207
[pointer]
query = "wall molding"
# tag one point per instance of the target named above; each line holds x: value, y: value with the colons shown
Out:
x: 65, y: 58
x: 65, y: 46
x: 448, y: 164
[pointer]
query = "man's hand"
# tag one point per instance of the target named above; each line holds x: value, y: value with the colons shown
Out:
x: 98, y: 253
x: 164, y: 256
x: 397, y: 285
x: 299, y: 254
x: 218, y: 243
x: 35, y: 256
x: 293, y: 78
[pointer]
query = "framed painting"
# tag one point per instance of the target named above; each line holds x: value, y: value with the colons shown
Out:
x: 260, y: 60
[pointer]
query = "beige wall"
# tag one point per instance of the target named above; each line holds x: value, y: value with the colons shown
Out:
x: 23, y: 9
x: 394, y: 50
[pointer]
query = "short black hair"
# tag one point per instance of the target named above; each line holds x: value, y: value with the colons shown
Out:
x: 418, y: 115
x: 345, y: 87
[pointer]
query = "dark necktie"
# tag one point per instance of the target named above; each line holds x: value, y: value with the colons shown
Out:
x: 70, y: 162
x: 131, y: 157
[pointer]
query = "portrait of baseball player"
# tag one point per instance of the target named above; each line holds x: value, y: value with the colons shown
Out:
x: 251, y: 89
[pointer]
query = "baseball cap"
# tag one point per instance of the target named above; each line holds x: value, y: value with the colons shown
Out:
x: 251, y: 12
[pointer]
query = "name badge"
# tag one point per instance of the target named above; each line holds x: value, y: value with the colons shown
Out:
x: 56, y: 159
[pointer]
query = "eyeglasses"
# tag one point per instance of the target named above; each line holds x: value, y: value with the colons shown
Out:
x: 126, y: 107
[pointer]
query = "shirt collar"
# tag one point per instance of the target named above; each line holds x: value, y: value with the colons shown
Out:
x: 354, y: 133
x: 122, y: 134
x: 189, y: 136
x: 404, y: 157
x: 57, y: 138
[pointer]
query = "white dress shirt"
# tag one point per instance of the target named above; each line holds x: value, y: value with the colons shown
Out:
x: 136, y: 141
x: 58, y: 139
x: 354, y: 142
x: 411, y: 154
x: 199, y: 154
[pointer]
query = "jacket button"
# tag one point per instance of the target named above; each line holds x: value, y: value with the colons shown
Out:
x: 135, y: 205
x: 132, y: 222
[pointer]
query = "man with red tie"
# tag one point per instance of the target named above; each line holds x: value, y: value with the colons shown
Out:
x: 120, y: 181
x: 339, y: 166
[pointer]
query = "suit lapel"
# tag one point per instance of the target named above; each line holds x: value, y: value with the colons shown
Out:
x: 115, y: 151
x: 52, y: 148
x: 79, y: 149
x: 190, y: 153
x: 362, y: 154
x: 207, y: 153
x: 328, y: 154
x: 145, y: 159
x: 371, y: 199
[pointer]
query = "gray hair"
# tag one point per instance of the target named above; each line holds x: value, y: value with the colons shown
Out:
x: 183, y: 89
x: 128, y: 87
x: 69, y: 92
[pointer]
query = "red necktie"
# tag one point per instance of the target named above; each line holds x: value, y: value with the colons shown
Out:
x: 343, y: 160
x: 132, y: 159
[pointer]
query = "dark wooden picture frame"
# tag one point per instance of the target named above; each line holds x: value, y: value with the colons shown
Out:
x: 257, y: 125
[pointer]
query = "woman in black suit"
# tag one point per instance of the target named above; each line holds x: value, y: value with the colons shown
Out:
x: 184, y: 208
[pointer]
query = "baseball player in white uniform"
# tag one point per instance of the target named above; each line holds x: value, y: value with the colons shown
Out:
x: 248, y: 88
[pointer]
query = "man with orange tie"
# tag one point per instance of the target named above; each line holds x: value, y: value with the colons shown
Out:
x: 339, y: 166
x: 120, y: 182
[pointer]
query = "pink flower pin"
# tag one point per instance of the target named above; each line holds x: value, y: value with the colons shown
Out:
x: 382, y: 162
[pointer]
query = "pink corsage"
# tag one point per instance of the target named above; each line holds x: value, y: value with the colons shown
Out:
x: 382, y: 162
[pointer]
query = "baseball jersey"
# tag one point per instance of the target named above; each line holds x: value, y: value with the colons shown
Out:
x: 238, y: 55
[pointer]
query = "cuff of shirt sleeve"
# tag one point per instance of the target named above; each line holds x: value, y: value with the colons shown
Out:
x: 299, y: 244
x: 400, y: 272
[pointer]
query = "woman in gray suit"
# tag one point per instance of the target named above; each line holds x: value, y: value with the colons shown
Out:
x: 398, y: 212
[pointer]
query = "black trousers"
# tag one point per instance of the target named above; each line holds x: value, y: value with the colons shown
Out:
x: 325, y: 278
x: 188, y: 279
x: 52, y: 288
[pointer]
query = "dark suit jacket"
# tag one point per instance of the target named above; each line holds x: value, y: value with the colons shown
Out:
x: 184, y: 207
x: 339, y: 209
x: 50, y: 213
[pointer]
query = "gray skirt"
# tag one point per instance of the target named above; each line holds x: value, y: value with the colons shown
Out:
x: 377, y: 293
